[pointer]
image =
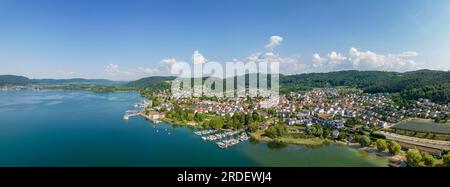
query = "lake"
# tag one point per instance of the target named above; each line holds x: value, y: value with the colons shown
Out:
x: 65, y: 128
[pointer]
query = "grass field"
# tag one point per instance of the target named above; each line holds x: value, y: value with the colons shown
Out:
x: 421, y: 126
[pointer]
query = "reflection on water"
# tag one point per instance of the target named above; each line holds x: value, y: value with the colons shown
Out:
x: 276, y: 145
x: 253, y: 141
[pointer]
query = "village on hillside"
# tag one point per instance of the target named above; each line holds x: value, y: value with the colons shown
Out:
x: 341, y: 115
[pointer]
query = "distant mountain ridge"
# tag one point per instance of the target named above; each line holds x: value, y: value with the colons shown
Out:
x: 431, y: 84
x: 15, y: 80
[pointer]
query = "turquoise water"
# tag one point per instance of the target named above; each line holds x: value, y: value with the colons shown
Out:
x: 59, y: 128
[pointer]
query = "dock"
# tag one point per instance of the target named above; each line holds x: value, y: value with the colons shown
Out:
x: 223, y: 139
x: 130, y: 113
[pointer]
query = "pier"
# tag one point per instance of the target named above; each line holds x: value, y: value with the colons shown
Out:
x: 130, y: 113
x: 223, y: 139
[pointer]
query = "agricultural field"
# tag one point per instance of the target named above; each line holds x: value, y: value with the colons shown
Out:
x: 419, y: 126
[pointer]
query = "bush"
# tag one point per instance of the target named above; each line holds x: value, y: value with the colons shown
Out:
x: 216, y: 123
x: 413, y: 157
x: 378, y: 135
x: 381, y: 145
x: 394, y: 147
x: 364, y: 141
x: 276, y: 131
x: 446, y: 159
x: 253, y: 127
x: 428, y: 160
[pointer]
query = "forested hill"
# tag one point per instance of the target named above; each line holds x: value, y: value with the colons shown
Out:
x: 430, y: 84
x: 152, y: 83
x: 14, y: 80
x: 412, y: 85
x: 21, y: 80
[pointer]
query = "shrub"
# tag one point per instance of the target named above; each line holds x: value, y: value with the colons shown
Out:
x: 364, y: 140
x: 446, y: 159
x: 413, y: 157
x: 381, y: 145
x: 394, y: 147
x: 428, y: 160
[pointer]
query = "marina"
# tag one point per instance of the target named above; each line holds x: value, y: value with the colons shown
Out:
x: 130, y: 113
x: 224, y: 139
x: 139, y: 109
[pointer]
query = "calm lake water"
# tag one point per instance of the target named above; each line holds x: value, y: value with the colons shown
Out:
x: 61, y: 128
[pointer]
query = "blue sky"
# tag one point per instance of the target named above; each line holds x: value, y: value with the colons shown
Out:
x: 125, y: 40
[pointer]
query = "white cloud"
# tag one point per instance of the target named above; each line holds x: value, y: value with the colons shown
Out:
x: 198, y: 58
x: 287, y: 65
x: 317, y: 60
x: 333, y: 61
x: 150, y: 71
x: 368, y: 60
x: 170, y: 66
x: 112, y: 69
x: 336, y: 57
x: 274, y: 41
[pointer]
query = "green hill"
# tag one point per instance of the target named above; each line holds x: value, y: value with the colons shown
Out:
x: 14, y: 80
x: 21, y: 80
x: 434, y: 85
x: 155, y: 83
x: 430, y: 84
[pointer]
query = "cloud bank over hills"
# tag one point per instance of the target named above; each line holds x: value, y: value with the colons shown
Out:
x: 354, y: 59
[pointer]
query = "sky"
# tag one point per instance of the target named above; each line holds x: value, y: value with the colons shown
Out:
x: 131, y: 39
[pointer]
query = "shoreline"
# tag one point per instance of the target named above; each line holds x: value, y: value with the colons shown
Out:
x: 393, y: 160
x: 296, y: 141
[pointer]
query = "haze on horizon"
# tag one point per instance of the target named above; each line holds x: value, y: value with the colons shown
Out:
x: 127, y: 40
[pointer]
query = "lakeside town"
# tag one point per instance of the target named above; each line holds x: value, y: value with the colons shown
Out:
x: 338, y: 115
x: 17, y: 88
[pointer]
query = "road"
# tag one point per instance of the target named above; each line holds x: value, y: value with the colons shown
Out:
x: 437, y: 144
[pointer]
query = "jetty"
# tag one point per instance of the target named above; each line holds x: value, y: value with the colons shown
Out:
x: 223, y: 138
x: 130, y: 113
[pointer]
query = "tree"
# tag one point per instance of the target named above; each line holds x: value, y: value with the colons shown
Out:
x: 315, y: 131
x: 216, y: 123
x: 413, y: 157
x: 253, y: 127
x: 381, y: 145
x: 240, y: 126
x: 311, y: 130
x: 319, y: 131
x: 446, y: 159
x: 364, y: 140
x: 227, y: 118
x: 190, y: 117
x: 276, y: 131
x: 248, y: 119
x: 394, y: 147
x: 256, y: 116
x: 352, y: 121
x: 437, y: 119
x: 428, y: 159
